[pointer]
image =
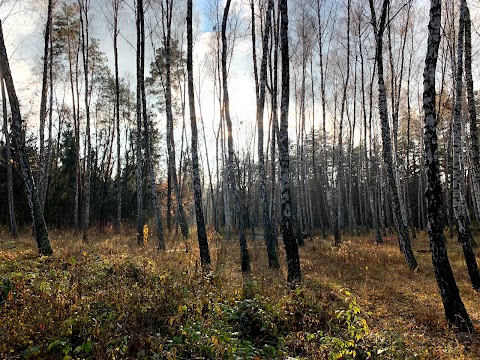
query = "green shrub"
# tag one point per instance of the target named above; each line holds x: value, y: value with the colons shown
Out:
x: 353, y: 328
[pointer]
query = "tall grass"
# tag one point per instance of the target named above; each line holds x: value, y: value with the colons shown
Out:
x: 111, y: 299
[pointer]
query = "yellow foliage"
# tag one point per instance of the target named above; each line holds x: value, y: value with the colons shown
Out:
x: 145, y: 235
x: 140, y: 290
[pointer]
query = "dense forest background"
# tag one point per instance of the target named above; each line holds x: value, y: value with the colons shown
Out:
x: 333, y: 115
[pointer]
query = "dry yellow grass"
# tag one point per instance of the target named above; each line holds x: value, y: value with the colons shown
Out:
x: 406, y: 310
x: 401, y: 301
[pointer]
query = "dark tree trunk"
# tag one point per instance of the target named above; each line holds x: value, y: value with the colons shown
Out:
x: 41, y: 233
x: 9, y: 159
x: 403, y: 235
x: 291, y: 247
x: 409, y: 175
x: 169, y: 198
x: 340, y: 171
x: 84, y: 23
x: 325, y: 186
x: 455, y: 311
x: 118, y: 177
x: 76, y: 122
x: 232, y: 179
x: 138, y: 144
x: 148, y: 143
x: 42, y: 159
x: 210, y: 188
x: 268, y: 233
x: 47, y: 161
x: 167, y: 23
x: 472, y: 112
x: 197, y: 186
x: 459, y: 207
x: 368, y: 185
x: 274, y: 135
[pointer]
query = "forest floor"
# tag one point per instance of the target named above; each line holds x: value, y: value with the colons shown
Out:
x: 111, y: 299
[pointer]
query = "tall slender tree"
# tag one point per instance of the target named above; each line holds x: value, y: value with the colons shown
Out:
x: 48, y: 154
x: 268, y: 233
x: 368, y: 185
x: 232, y: 177
x: 455, y: 311
x: 326, y: 192
x: 197, y: 186
x: 138, y: 140
x: 114, y: 23
x: 18, y: 130
x: 42, y: 160
x: 291, y: 247
x: 472, y: 111
x: 459, y: 207
x: 211, y: 191
x: 403, y: 235
x: 274, y: 119
x: 340, y: 160
x: 67, y: 30
x: 8, y: 153
x: 396, y: 82
x: 148, y: 140
x: 167, y: 16
x: 84, y: 26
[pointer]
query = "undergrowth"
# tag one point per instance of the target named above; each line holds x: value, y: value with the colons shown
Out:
x: 112, y: 300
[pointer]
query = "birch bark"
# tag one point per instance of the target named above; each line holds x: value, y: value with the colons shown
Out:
x: 84, y: 24
x: 232, y: 179
x: 167, y: 10
x: 268, y: 233
x: 403, y: 236
x: 18, y: 131
x: 8, y: 148
x: 138, y: 139
x: 472, y: 112
x: 42, y: 159
x: 455, y: 311
x: 368, y: 185
x: 197, y: 187
x: 459, y: 205
x: 291, y: 247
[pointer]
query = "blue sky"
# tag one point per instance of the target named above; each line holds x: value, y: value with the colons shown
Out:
x: 23, y: 33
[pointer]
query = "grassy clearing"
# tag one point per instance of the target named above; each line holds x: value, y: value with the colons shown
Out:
x: 114, y: 300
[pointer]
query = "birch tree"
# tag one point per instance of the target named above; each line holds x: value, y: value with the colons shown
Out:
x: 67, y: 31
x: 472, y: 111
x: 138, y: 137
x: 197, y: 187
x: 273, y: 70
x: 268, y: 233
x: 340, y: 160
x: 232, y: 180
x: 116, y: 10
x: 403, y: 236
x: 455, y: 311
x: 147, y: 136
x: 459, y: 206
x: 18, y: 131
x: 167, y: 7
x: 9, y: 159
x: 84, y: 26
x: 47, y: 63
x: 323, y: 64
x: 291, y: 247
x: 368, y: 185
x: 115, y: 6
